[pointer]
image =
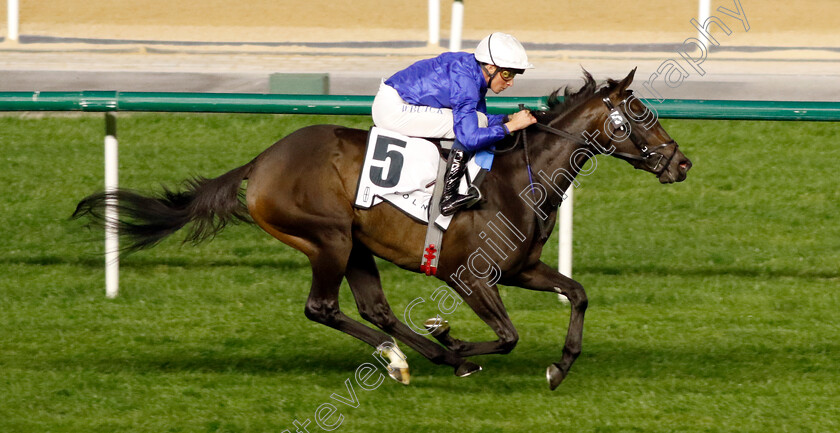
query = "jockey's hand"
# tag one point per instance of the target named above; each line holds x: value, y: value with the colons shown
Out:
x: 520, y: 120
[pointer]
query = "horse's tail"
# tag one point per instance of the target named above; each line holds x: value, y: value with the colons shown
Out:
x: 146, y: 220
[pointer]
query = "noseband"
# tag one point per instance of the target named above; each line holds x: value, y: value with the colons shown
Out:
x: 649, y: 158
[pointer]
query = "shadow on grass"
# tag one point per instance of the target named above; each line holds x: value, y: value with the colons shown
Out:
x: 95, y: 261
x: 217, y: 362
x: 746, y: 363
x: 704, y: 271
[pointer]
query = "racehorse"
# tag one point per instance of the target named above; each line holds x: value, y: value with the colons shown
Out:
x: 301, y: 191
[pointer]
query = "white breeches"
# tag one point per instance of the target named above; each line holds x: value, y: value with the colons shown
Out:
x: 392, y: 113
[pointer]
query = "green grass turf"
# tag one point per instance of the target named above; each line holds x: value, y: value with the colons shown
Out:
x: 713, y: 303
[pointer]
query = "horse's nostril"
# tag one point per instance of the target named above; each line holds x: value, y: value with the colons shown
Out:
x: 684, y: 165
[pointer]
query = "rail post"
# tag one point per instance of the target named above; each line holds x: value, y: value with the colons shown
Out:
x: 564, y: 259
x: 13, y: 19
x: 112, y: 245
x: 703, y: 8
x: 434, y: 23
x: 457, y: 25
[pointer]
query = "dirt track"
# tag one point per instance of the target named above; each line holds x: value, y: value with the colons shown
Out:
x: 772, y: 22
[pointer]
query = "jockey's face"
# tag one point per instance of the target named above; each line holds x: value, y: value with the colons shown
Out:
x: 499, y: 82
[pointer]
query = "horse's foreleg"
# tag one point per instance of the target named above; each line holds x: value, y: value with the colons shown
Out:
x: 546, y: 279
x: 363, y: 278
x: 488, y: 306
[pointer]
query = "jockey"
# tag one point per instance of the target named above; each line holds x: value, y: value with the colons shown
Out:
x: 443, y: 97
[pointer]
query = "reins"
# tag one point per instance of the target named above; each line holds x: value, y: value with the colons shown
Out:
x: 644, y: 157
x: 521, y: 136
x: 619, y: 123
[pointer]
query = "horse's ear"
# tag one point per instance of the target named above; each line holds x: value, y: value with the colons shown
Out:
x: 625, y: 83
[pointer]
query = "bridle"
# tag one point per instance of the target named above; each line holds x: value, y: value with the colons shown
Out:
x: 650, y: 158
x: 643, y: 161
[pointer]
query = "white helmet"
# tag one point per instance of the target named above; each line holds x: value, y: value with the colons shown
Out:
x: 502, y: 50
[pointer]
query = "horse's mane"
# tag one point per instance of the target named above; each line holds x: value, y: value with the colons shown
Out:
x: 572, y: 99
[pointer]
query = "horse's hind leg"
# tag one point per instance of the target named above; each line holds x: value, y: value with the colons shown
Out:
x: 363, y: 278
x: 328, y: 267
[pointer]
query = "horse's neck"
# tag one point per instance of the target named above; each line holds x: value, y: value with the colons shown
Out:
x: 529, y: 197
x: 556, y: 161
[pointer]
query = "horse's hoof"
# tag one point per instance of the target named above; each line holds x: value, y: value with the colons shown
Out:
x: 401, y: 375
x: 397, y: 364
x: 467, y: 368
x: 554, y: 376
x: 436, y: 326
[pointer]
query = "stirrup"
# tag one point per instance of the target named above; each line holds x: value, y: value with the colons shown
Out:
x: 459, y: 201
x: 473, y: 190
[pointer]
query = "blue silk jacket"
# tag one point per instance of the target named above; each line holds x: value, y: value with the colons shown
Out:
x: 455, y: 81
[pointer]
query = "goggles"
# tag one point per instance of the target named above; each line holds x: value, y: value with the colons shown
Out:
x: 508, y: 74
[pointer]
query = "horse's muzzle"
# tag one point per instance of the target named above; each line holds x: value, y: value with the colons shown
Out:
x: 677, y: 168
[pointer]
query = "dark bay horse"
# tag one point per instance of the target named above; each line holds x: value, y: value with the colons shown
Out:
x: 301, y: 191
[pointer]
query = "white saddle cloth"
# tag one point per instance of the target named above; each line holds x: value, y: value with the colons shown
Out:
x: 401, y: 170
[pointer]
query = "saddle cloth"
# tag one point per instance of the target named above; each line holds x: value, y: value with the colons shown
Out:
x: 401, y: 170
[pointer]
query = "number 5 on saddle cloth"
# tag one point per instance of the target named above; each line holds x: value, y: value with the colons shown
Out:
x: 407, y: 172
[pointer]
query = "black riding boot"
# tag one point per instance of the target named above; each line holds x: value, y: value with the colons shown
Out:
x: 450, y: 201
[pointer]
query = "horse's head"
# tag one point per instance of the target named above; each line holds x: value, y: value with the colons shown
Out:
x: 617, y: 123
x: 633, y: 132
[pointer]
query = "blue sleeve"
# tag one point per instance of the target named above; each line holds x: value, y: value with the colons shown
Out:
x: 466, y: 100
x: 496, y: 119
x: 492, y: 119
